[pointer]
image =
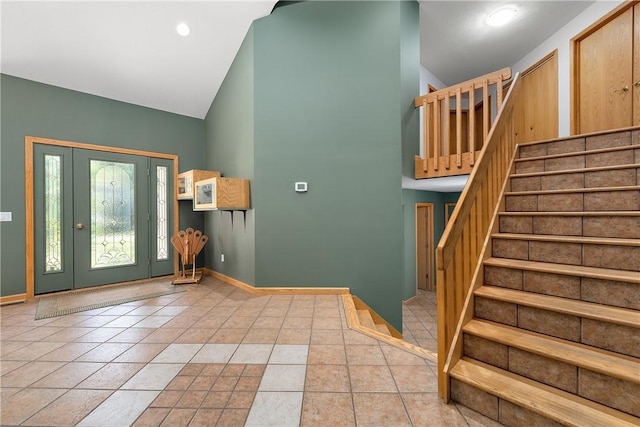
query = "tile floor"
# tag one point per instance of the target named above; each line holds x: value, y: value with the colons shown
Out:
x: 216, y: 355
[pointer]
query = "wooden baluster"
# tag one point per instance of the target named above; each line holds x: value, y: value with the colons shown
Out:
x: 437, y: 124
x: 447, y: 136
x: 499, y: 92
x: 425, y: 135
x: 485, y: 110
x: 459, y: 127
x: 472, y: 125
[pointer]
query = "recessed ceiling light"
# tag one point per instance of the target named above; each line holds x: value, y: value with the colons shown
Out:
x: 501, y: 16
x: 183, y: 29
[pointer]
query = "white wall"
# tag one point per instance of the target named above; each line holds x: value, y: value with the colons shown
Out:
x: 561, y: 41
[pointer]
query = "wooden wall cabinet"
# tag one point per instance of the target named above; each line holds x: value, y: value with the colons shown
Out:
x: 186, y: 181
x: 221, y: 193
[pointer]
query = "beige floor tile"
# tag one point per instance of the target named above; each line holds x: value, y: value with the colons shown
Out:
x: 365, y: 355
x: 380, y: 409
x: 280, y: 409
x: 328, y: 409
x: 294, y: 336
x: 104, y: 352
x: 261, y: 336
x: 205, y: 417
x: 152, y: 417
x: 132, y: 335
x: 33, y: 351
x: 24, y: 404
x: 327, y: 378
x: 69, y: 352
x: 69, y: 376
x: 428, y: 409
x: 69, y: 408
x: 371, y: 379
x: 10, y: 365
x: 228, y: 336
x: 141, y: 353
x: 111, y: 377
x: 327, y: 336
x: 30, y: 373
x: 417, y: 379
x: 122, y: 408
x: 163, y: 336
x: 233, y: 417
x: 327, y: 354
x: 100, y: 335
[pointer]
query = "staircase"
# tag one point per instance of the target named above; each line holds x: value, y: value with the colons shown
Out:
x: 555, y: 336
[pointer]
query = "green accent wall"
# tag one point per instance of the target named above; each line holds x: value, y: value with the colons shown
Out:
x: 36, y: 109
x: 327, y: 88
x: 229, y: 149
x: 410, y: 198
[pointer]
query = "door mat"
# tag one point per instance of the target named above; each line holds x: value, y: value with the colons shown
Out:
x: 83, y: 300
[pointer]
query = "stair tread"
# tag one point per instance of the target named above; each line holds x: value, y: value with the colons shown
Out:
x: 574, y: 190
x: 556, y: 404
x: 383, y: 328
x: 604, y: 313
x: 365, y: 319
x: 595, y: 359
x: 568, y: 239
x: 578, y: 153
x: 571, y: 213
x: 567, y: 269
x: 570, y: 171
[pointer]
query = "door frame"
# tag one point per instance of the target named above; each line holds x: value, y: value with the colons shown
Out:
x: 574, y: 116
x: 29, y: 201
x: 430, y: 253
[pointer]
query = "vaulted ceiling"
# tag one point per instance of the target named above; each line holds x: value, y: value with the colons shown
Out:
x: 130, y: 51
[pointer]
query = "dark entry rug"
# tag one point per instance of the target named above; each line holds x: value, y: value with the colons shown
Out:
x: 83, y: 300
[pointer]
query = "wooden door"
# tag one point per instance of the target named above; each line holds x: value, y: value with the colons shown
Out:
x: 604, y: 62
x: 536, y: 110
x: 424, y: 246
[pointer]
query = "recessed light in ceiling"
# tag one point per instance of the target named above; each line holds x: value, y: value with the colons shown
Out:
x: 183, y: 29
x: 501, y: 16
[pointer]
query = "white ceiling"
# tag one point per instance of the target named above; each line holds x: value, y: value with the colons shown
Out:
x: 129, y: 50
x: 456, y: 45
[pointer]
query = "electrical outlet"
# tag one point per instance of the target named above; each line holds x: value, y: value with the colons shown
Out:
x: 221, y: 257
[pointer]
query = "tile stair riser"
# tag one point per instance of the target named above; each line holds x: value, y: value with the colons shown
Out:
x: 627, y: 176
x: 572, y: 225
x: 581, y: 160
x: 597, y: 201
x: 604, y: 389
x: 606, y: 292
x: 590, y: 255
x: 617, y: 338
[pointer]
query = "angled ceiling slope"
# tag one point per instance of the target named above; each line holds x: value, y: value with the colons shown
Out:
x: 128, y: 50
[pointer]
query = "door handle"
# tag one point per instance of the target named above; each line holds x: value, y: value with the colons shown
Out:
x: 624, y: 89
x: 637, y: 84
x: 79, y: 226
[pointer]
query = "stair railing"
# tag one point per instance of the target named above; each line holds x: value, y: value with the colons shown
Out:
x: 462, y: 248
x: 437, y: 109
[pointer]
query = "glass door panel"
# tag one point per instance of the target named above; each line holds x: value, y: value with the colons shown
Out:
x: 111, y: 217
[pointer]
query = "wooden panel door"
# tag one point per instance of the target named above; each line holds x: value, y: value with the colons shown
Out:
x: 604, y: 74
x: 536, y: 112
x: 636, y: 65
x: 424, y: 246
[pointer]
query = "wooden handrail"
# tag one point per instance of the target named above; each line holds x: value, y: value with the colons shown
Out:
x: 437, y: 153
x: 464, y: 242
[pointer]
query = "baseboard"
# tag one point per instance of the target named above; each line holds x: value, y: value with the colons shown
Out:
x: 13, y: 299
x: 274, y: 290
x: 354, y: 323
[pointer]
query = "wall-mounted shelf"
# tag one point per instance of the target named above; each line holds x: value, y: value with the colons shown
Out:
x: 186, y: 181
x: 221, y: 194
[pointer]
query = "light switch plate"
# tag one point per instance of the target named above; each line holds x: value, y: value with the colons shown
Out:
x: 5, y: 216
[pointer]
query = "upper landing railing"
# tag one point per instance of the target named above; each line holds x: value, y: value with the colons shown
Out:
x: 456, y: 122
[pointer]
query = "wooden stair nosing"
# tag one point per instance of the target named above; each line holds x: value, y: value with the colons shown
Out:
x: 383, y: 329
x: 571, y: 171
x: 615, y: 241
x: 558, y: 405
x: 573, y: 190
x: 567, y: 269
x: 589, y: 310
x: 592, y: 358
x: 578, y: 153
